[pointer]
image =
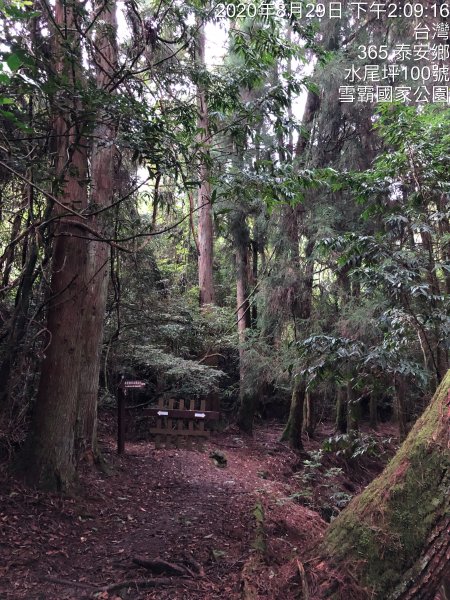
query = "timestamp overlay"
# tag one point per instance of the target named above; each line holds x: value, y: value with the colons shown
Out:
x: 410, y: 65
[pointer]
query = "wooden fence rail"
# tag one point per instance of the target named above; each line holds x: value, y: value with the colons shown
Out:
x: 174, y: 423
x: 178, y: 425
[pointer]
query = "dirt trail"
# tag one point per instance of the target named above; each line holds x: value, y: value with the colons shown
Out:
x: 158, y: 503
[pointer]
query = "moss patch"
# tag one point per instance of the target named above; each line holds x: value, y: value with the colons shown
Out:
x: 383, y: 531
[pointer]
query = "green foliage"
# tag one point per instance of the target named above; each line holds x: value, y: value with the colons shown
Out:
x: 17, y: 10
x: 399, y: 321
x: 320, y: 487
x: 312, y: 466
x: 185, y: 378
x: 352, y: 445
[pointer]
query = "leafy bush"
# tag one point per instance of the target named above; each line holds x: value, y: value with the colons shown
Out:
x: 352, y: 445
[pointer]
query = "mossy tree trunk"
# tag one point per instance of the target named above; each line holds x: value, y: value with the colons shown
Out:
x: 395, y: 535
x: 309, y: 414
x: 246, y: 412
x: 353, y: 408
x: 293, y: 430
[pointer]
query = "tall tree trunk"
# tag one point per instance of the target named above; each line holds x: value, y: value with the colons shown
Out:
x: 394, y: 537
x: 50, y: 460
x: 353, y: 411
x: 98, y: 252
x: 254, y: 281
x: 205, y: 220
x: 401, y: 409
x: 291, y: 434
x: 440, y: 347
x: 311, y: 109
x: 247, y: 388
x: 309, y: 414
x: 293, y: 430
x: 341, y: 410
x: 241, y: 243
x: 373, y: 410
x: 290, y: 222
x: 10, y: 253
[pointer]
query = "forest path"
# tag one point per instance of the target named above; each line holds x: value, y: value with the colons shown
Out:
x: 158, y: 503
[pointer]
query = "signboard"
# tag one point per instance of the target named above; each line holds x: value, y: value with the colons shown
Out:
x: 133, y: 384
x: 177, y: 413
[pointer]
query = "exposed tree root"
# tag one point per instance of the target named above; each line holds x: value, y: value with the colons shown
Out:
x: 305, y: 587
x: 195, y: 565
x: 69, y: 583
x: 158, y: 565
x: 137, y: 584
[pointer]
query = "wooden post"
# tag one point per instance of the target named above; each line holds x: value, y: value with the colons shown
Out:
x: 121, y: 395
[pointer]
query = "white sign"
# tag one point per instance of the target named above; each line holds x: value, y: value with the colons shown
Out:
x: 200, y: 415
x: 134, y: 384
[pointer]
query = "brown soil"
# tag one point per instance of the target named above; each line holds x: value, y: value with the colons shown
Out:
x: 173, y: 504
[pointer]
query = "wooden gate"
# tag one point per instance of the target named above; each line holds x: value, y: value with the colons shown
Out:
x: 180, y: 423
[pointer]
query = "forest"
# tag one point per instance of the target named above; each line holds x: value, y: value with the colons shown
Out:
x: 224, y: 300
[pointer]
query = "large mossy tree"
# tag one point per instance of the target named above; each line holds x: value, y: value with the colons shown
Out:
x: 395, y: 536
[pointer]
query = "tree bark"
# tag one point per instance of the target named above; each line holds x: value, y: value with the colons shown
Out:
x: 441, y: 347
x: 50, y: 460
x: 373, y: 410
x: 298, y: 395
x: 10, y: 253
x: 205, y: 220
x: 293, y: 430
x: 401, y: 410
x: 290, y: 221
x: 309, y: 416
x: 254, y: 282
x: 353, y: 410
x: 98, y: 252
x: 341, y: 410
x: 311, y: 109
x: 241, y: 243
x: 394, y: 537
x: 247, y: 388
